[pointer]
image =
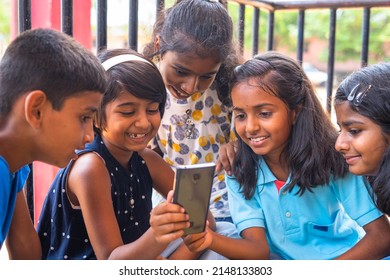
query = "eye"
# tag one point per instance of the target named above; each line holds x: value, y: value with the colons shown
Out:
x: 85, y: 119
x: 239, y: 116
x: 127, y: 113
x: 354, y: 131
x: 207, y: 77
x: 180, y: 72
x: 265, y: 114
x: 153, y: 111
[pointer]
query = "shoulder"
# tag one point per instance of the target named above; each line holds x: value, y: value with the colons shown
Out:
x: 88, y: 167
x: 154, y: 162
x: 152, y: 158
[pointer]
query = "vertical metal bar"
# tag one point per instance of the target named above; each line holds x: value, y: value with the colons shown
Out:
x: 24, y: 15
x: 255, y: 27
x: 67, y: 17
x: 271, y: 25
x: 101, y: 25
x: 365, y: 36
x: 301, y: 35
x: 24, y: 23
x: 160, y: 4
x: 241, y: 27
x: 331, y: 57
x: 133, y: 24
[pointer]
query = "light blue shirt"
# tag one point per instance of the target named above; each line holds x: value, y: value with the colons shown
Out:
x: 321, y: 224
x: 10, y: 185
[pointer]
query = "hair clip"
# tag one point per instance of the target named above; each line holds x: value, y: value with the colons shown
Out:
x: 358, y: 93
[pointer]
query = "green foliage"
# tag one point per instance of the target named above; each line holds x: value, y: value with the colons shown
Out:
x: 5, y: 12
x: 348, y: 30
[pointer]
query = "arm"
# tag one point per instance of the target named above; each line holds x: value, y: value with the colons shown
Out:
x: 374, y: 245
x: 253, y: 244
x: 22, y: 240
x: 165, y: 223
x: 90, y: 187
x: 226, y: 155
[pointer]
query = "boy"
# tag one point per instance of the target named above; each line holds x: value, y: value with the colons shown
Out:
x: 50, y: 88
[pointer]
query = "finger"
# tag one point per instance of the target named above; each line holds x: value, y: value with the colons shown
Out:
x: 170, y: 196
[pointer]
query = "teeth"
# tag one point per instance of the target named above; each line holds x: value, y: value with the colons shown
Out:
x: 258, y: 139
x: 132, y: 135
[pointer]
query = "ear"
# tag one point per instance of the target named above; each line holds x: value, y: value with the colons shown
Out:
x: 156, y: 44
x: 295, y: 113
x: 34, y: 106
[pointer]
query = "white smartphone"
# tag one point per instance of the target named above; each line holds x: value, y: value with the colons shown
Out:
x: 192, y: 190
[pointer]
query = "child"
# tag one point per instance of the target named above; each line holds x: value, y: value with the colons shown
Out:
x: 291, y: 196
x: 194, y: 52
x: 50, y: 88
x: 362, y: 106
x: 99, y: 206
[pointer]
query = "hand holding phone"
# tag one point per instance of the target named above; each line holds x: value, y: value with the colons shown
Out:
x: 192, y: 190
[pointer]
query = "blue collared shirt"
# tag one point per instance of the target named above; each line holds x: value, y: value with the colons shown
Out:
x: 322, y: 224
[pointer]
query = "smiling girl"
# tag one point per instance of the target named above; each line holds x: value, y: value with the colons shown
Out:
x: 362, y: 106
x: 291, y: 195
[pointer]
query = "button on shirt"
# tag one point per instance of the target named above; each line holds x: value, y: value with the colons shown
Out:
x: 322, y: 224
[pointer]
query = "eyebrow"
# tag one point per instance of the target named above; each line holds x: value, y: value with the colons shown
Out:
x: 255, y: 106
x: 92, y: 109
x: 351, y: 122
x: 135, y: 104
x: 180, y: 67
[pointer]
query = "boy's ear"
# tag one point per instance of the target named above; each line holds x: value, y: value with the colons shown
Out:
x: 34, y: 106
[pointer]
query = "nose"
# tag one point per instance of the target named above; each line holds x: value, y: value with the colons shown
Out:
x: 252, y: 125
x: 89, y: 134
x: 142, y: 120
x: 190, y: 85
x: 342, y: 142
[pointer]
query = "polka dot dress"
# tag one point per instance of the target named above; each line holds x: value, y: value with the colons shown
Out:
x: 191, y: 132
x: 61, y: 227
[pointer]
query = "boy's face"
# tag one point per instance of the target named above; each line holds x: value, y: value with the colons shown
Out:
x: 186, y: 74
x: 68, y: 129
x: 130, y: 124
x: 361, y: 141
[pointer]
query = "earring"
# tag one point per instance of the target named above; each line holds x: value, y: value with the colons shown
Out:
x: 156, y: 59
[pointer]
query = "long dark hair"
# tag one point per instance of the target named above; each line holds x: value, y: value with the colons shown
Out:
x: 375, y: 106
x: 309, y: 153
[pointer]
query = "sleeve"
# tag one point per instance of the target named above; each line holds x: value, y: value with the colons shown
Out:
x: 355, y: 194
x: 245, y: 213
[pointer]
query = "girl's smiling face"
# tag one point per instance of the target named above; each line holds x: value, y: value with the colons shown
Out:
x: 263, y: 121
x: 361, y: 141
x: 187, y: 74
x: 130, y: 124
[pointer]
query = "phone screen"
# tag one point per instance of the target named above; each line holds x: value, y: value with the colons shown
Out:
x: 193, y: 185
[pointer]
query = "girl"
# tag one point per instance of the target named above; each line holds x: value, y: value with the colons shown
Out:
x: 193, y: 49
x: 362, y: 106
x: 99, y: 206
x: 291, y: 196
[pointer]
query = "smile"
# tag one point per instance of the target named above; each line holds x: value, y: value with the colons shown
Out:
x: 136, y: 135
x: 180, y: 94
x: 258, y: 139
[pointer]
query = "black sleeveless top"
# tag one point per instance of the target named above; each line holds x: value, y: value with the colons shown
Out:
x: 61, y: 227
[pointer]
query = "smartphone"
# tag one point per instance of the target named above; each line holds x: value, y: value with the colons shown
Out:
x: 192, y: 190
